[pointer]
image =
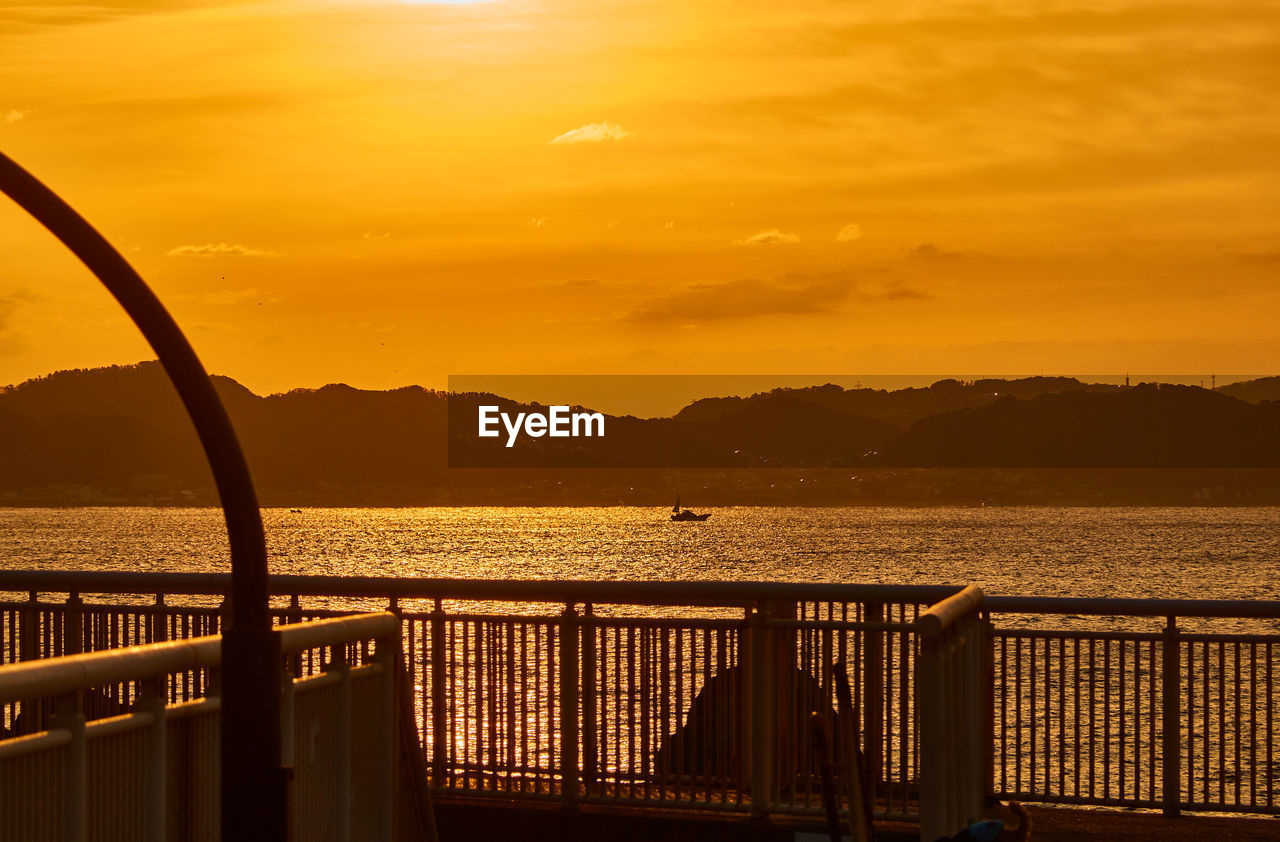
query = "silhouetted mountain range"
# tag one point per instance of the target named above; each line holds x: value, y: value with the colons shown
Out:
x: 120, y: 434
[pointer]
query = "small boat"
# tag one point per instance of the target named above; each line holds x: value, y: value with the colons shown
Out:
x: 681, y: 515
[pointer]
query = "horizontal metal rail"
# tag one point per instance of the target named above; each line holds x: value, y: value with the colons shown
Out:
x: 61, y: 675
x: 617, y: 593
x: 532, y: 590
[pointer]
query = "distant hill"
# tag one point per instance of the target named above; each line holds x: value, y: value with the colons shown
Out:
x: 1254, y: 391
x: 1149, y: 426
x: 120, y: 435
x: 900, y: 407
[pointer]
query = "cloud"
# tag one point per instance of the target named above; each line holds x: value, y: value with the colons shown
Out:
x: 894, y: 291
x: 240, y: 296
x: 746, y: 298
x: 929, y: 251
x: 16, y: 115
x: 849, y: 233
x: 593, y: 133
x: 220, y: 250
x: 538, y: 221
x: 1259, y: 256
x: 768, y: 237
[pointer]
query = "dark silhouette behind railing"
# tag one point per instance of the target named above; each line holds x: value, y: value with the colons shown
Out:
x: 253, y: 783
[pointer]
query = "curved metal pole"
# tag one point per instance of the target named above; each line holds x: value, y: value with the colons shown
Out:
x: 253, y: 784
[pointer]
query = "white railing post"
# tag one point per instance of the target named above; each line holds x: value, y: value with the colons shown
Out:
x: 153, y: 702
x: 387, y: 654
x: 933, y: 774
x: 288, y: 722
x: 763, y: 691
x: 342, y: 742
x: 68, y: 716
x: 949, y: 699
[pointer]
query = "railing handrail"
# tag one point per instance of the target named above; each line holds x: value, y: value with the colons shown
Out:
x: 53, y: 676
x: 1133, y: 606
x: 942, y: 615
x: 617, y: 593
x: 499, y: 590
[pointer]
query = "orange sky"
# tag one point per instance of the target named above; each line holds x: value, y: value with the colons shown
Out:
x: 384, y: 193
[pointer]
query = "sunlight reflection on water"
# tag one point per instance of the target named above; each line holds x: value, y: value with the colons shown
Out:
x: 1141, y: 552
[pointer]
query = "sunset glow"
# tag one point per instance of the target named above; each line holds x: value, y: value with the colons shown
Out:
x: 387, y: 193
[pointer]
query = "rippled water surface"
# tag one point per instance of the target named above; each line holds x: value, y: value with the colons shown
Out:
x: 1174, y: 552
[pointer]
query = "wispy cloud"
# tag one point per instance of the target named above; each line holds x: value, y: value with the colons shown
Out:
x: 220, y: 250
x: 1259, y: 256
x: 849, y: 233
x: 593, y: 133
x: 746, y: 298
x: 16, y: 115
x: 894, y: 291
x: 240, y: 296
x: 930, y: 251
x: 768, y: 237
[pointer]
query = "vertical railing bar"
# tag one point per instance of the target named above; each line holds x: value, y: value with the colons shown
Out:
x: 569, y: 721
x: 590, y: 748
x: 538, y: 672
x: 1191, y: 721
x: 1222, y: 722
x: 1271, y: 713
x: 872, y: 690
x: 1171, y: 693
x: 618, y: 698
x: 1032, y: 687
x: 1017, y: 731
x: 726, y: 725
x: 1206, y: 721
x: 905, y: 719
x: 1236, y: 729
x: 1123, y: 742
x: 665, y: 713
x: 633, y: 656
x: 1076, y: 717
x: 1062, y: 716
x: 1253, y: 724
x: 678, y: 751
x: 492, y: 710
x: 1142, y: 725
x: 709, y: 686
x: 1003, y: 685
x: 1155, y: 736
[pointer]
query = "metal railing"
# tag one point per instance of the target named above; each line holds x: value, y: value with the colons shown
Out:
x: 1175, y: 706
x: 694, y: 694
x: 950, y: 680
x: 124, y: 742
